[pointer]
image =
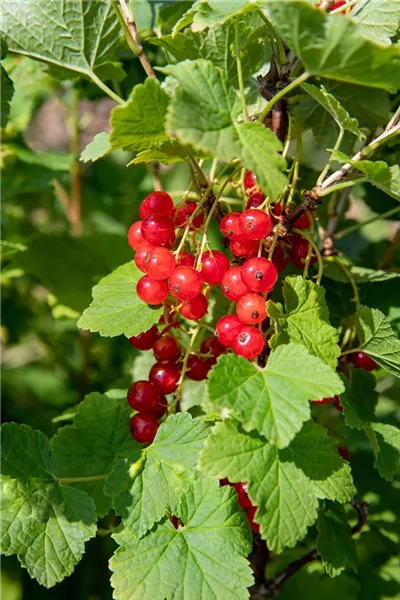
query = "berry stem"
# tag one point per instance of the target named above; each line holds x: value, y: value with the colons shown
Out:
x: 317, y: 252
x: 331, y: 158
x: 274, y: 240
x: 239, y: 71
x: 295, y: 167
x: 184, y: 365
x: 64, y: 480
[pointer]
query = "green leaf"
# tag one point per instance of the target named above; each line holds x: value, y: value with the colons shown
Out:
x: 203, y: 113
x: 208, y: 13
x: 274, y: 400
x: 140, y: 122
x: 284, y: 484
x: 48, y: 160
x: 359, y: 398
x: 168, y: 152
x: 388, y: 451
x: 168, y: 466
x: 306, y: 320
x: 377, y: 22
x: 359, y: 274
x: 78, y: 36
x: 335, y: 544
x: 116, y: 308
x: 377, y: 339
x: 89, y: 448
x: 45, y: 524
x: 330, y: 46
x: 97, y: 148
x: 10, y: 248
x: 202, y: 559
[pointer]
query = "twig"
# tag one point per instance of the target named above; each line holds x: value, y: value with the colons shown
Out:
x: 288, y: 88
x: 133, y: 38
x: 362, y: 511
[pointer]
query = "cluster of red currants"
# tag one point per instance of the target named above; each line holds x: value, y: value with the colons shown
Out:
x: 244, y: 502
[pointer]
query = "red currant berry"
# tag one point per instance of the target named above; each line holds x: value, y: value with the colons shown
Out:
x: 230, y: 226
x: 279, y: 259
x: 212, y: 346
x: 251, y: 309
x: 303, y: 222
x: 157, y: 202
x: 362, y: 361
x: 143, y: 396
x: 145, y: 340
x: 326, y: 400
x: 142, y: 254
x: 166, y: 348
x: 259, y: 274
x: 255, y: 200
x: 165, y: 376
x: 161, y: 407
x: 143, y: 428
x: 158, y: 229
x: 244, y: 500
x: 245, y: 248
x: 336, y: 5
x: 227, y: 329
x: 336, y: 403
x: 151, y: 291
x: 277, y: 210
x: 250, y: 515
x: 184, y: 211
x: 194, y: 309
x: 344, y: 452
x: 232, y: 284
x: 185, y: 260
x: 248, y: 342
x: 135, y: 238
x: 159, y: 262
x: 214, y: 265
x: 299, y: 253
x: 185, y: 283
x: 256, y: 223
x: 198, y: 367
x: 250, y: 180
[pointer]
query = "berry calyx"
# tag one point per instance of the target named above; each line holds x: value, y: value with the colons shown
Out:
x: 156, y: 202
x: 251, y: 309
x: 230, y: 226
x: 159, y: 262
x: 244, y: 248
x: 255, y: 223
x: 248, y: 342
x: 255, y: 200
x: 184, y: 212
x: 194, y: 309
x: 198, y: 367
x: 250, y: 180
x: 158, y: 229
x: 166, y: 348
x: 165, y: 376
x: 259, y: 274
x: 152, y: 291
x: 227, y: 329
x: 135, y: 237
x: 362, y: 361
x: 299, y: 253
x: 143, y: 396
x: 185, y: 260
x: 232, y: 285
x: 143, y: 428
x: 214, y: 265
x: 213, y: 346
x: 145, y: 340
x: 185, y: 283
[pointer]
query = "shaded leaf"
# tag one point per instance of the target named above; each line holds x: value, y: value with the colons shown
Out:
x: 377, y: 339
x: 335, y: 544
x: 377, y: 22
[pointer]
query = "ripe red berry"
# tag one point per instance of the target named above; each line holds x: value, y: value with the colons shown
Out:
x: 166, y: 348
x: 233, y: 286
x: 326, y: 400
x: 143, y: 428
x: 248, y: 342
x: 184, y: 211
x: 158, y: 229
x: 161, y: 407
x: 141, y: 254
x: 299, y: 253
x: 165, y: 376
x: 198, y: 367
x: 145, y: 340
x: 194, y: 309
x: 336, y: 403
x: 135, y: 238
x: 279, y: 258
x: 156, y: 202
x: 214, y: 265
x: 159, y: 262
x: 336, y: 5
x: 256, y: 224
x: 230, y: 226
x: 213, y: 346
x: 244, y: 500
x: 259, y: 274
x: 185, y: 260
x: 250, y: 515
x: 151, y: 291
x: 185, y: 283
x: 251, y: 309
x: 227, y: 329
x: 245, y: 248
x: 362, y: 361
x: 255, y: 200
x: 250, y: 180
x: 303, y: 222
x: 143, y: 396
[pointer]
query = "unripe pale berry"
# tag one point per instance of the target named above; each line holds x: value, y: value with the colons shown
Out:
x: 151, y: 291
x: 194, y: 309
x: 158, y: 229
x: 251, y: 309
x: 248, y: 342
x: 159, y: 262
x: 185, y: 283
x: 259, y: 274
x: 143, y: 428
x: 156, y: 202
x: 135, y: 237
x: 255, y: 223
x: 227, y: 329
x: 145, y: 340
x: 214, y: 265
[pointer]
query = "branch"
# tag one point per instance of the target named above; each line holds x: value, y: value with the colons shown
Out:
x: 128, y: 24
